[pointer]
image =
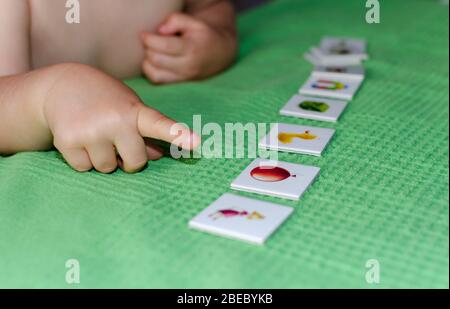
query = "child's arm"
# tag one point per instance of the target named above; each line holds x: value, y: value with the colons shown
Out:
x: 194, y: 45
x: 87, y: 115
x: 16, y: 108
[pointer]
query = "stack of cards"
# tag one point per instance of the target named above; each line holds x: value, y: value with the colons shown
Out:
x: 337, y: 75
x: 338, y: 51
x: 338, y: 72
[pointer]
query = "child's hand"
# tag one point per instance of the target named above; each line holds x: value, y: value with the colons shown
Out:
x: 186, y: 48
x: 94, y: 117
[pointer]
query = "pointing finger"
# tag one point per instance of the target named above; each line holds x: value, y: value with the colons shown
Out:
x: 155, y: 125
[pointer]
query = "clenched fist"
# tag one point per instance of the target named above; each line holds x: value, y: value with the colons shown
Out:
x: 186, y: 48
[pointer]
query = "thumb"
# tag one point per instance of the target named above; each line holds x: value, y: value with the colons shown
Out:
x: 178, y: 23
x: 153, y: 124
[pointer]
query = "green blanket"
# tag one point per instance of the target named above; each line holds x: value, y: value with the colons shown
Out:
x: 382, y: 193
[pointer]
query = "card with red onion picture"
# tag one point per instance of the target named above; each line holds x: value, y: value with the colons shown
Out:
x: 276, y: 178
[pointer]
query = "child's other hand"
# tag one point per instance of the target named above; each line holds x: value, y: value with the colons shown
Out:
x: 186, y: 48
x: 93, y: 117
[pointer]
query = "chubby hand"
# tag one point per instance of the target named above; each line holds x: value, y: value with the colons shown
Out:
x: 98, y: 122
x: 186, y: 48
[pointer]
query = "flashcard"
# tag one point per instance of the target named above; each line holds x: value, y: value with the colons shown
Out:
x: 338, y: 52
x: 344, y: 46
x: 330, y: 72
x: 241, y: 218
x: 275, y: 178
x: 313, y: 59
x: 297, y: 139
x: 336, y: 88
x: 317, y: 57
x: 314, y: 108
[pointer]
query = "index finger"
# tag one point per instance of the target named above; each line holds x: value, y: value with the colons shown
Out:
x: 153, y: 124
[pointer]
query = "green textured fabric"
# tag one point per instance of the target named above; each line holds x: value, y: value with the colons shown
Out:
x: 382, y: 193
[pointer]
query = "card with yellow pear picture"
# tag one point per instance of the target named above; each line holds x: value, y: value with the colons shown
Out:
x: 297, y: 139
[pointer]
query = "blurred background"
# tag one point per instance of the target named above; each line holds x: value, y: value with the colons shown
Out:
x: 243, y: 5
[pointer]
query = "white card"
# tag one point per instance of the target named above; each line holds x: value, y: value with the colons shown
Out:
x: 313, y: 59
x: 314, y: 108
x: 297, y: 139
x: 335, y: 88
x: 338, y: 60
x: 343, y: 46
x: 241, y: 218
x: 338, y: 52
x: 353, y: 71
x: 275, y: 178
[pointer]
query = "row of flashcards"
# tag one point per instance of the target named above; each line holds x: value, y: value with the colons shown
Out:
x: 252, y: 220
x: 337, y: 76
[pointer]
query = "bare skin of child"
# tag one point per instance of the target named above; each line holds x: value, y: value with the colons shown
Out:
x: 60, y: 83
